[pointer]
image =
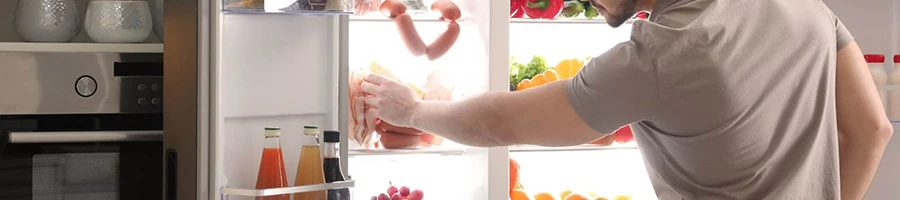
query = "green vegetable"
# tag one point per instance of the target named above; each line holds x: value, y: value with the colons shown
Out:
x: 519, y: 71
x: 537, y: 66
x: 572, y: 9
x: 589, y: 11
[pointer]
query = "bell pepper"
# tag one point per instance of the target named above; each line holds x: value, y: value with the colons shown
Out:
x: 515, y: 8
x: 543, y: 9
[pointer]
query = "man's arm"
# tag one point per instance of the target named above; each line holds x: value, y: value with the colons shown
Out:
x: 863, y: 128
x: 538, y: 116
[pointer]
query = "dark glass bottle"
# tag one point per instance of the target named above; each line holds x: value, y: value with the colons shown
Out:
x: 332, y: 165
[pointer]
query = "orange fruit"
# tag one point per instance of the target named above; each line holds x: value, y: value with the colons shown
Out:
x: 551, y: 75
x: 601, y: 198
x: 543, y: 196
x: 576, y: 197
x: 565, y: 194
x: 518, y: 195
x: 513, y: 174
x: 525, y: 84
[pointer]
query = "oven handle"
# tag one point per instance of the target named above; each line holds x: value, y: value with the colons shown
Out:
x: 84, y: 136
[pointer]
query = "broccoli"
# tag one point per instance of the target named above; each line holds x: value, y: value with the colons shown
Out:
x: 537, y: 66
x: 589, y: 11
x: 519, y: 71
x: 572, y: 9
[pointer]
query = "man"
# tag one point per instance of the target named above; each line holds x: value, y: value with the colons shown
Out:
x: 763, y: 99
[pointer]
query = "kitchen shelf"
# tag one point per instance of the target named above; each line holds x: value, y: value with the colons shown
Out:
x: 417, y: 151
x: 81, y: 47
x: 287, y: 190
x: 530, y: 148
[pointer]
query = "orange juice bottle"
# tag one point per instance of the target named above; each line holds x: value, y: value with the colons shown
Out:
x: 271, y: 166
x: 309, y: 170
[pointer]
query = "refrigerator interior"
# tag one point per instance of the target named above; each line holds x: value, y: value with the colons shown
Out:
x: 445, y: 169
x: 282, y: 70
x: 616, y: 170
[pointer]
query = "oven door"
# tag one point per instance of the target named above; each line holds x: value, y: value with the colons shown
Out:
x: 95, y: 165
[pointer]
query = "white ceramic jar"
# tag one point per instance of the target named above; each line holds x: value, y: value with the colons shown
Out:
x: 156, y: 9
x: 47, y: 20
x: 118, y: 21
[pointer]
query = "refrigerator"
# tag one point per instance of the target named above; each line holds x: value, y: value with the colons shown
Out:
x: 233, y: 67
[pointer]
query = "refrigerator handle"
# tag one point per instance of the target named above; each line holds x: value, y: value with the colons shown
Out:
x: 171, y: 174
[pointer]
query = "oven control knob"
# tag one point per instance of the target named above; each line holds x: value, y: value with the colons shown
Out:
x: 85, y: 86
x: 142, y: 101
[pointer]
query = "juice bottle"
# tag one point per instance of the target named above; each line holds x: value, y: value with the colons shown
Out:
x: 271, y: 166
x: 332, y: 165
x: 309, y: 170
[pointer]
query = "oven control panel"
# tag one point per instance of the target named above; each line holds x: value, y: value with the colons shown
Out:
x: 141, y: 94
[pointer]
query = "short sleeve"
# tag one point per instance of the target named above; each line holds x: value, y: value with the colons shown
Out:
x: 843, y: 35
x: 616, y: 88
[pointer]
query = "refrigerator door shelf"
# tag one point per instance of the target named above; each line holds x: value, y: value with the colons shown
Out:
x: 529, y: 148
x: 288, y: 190
x: 442, y: 151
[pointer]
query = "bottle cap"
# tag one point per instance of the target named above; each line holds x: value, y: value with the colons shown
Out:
x: 311, y: 130
x: 273, y: 132
x: 332, y: 136
x: 874, y: 58
x: 896, y: 58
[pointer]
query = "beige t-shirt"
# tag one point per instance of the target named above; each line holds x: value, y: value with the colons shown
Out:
x: 727, y: 99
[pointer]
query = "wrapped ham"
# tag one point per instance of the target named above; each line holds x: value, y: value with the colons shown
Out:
x: 363, y: 127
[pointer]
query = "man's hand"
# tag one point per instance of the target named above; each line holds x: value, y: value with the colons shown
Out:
x: 389, y: 100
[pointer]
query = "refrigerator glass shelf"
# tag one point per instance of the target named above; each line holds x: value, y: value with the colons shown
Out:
x: 443, y: 151
x: 563, y: 21
x: 287, y: 190
x: 530, y: 148
x: 295, y: 7
x: 297, y: 12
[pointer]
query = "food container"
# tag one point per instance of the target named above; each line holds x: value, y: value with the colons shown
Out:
x: 118, y: 21
x: 893, y: 106
x: 47, y: 20
x: 876, y: 67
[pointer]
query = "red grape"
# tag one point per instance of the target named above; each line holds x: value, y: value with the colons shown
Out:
x: 416, y: 195
x: 392, y: 190
x: 396, y: 196
x: 374, y: 198
x: 404, y: 191
x: 383, y: 196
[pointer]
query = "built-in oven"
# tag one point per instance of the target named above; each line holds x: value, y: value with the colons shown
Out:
x: 81, y: 126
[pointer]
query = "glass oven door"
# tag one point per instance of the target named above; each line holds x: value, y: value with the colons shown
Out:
x: 75, y: 165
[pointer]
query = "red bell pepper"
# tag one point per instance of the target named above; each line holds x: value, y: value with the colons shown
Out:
x: 515, y: 8
x: 543, y: 9
x: 624, y: 134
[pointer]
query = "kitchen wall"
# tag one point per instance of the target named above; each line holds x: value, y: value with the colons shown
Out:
x: 874, y: 24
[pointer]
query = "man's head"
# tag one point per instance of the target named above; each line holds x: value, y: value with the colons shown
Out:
x: 617, y: 12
